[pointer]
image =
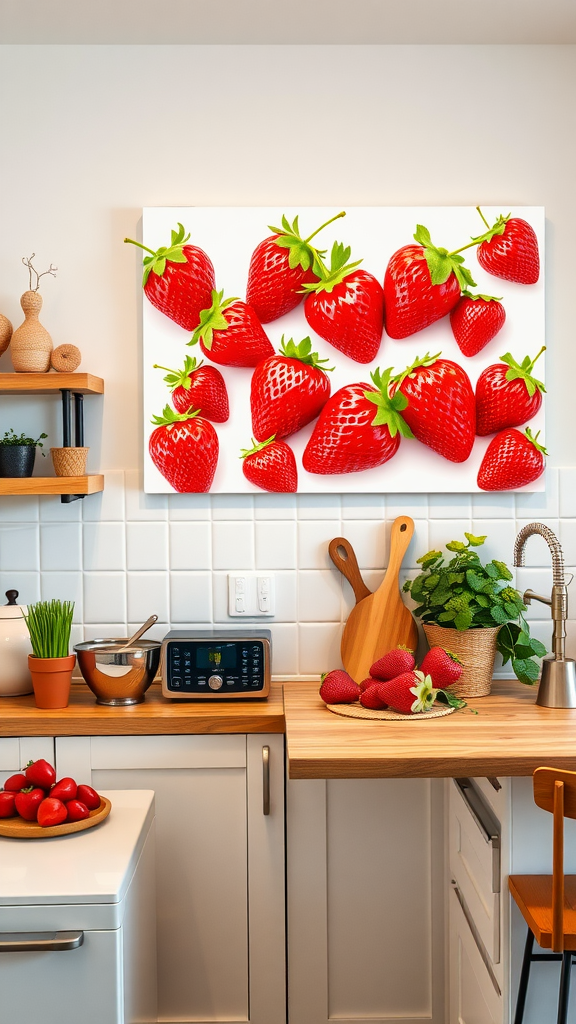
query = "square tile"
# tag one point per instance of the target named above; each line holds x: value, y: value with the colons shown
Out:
x: 190, y: 597
x: 147, y: 546
x: 141, y: 506
x: 286, y: 584
x: 105, y: 631
x: 190, y: 545
x: 14, y: 509
x: 449, y: 506
x: 363, y: 506
x: 284, y: 650
x: 567, y: 538
x: 313, y: 540
x: 106, y: 505
x: 491, y: 505
x: 319, y: 648
x: 319, y: 596
x: 104, y: 547
x: 567, y: 482
x: 275, y: 506
x: 19, y: 547
x: 233, y: 545
x: 105, y: 597
x: 60, y: 546
x: 441, y: 531
x: 370, y: 540
x: 64, y: 586
x: 318, y: 506
x: 232, y: 506
x: 26, y: 583
x: 540, y: 581
x: 499, y: 544
x: 415, y: 505
x: 52, y: 510
x: 275, y: 545
x: 147, y: 595
x: 536, y: 504
x: 189, y: 507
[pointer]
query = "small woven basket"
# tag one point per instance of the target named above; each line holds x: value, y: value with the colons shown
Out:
x: 69, y: 461
x: 476, y: 649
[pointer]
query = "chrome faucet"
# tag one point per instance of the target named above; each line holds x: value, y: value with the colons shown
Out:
x: 558, y: 682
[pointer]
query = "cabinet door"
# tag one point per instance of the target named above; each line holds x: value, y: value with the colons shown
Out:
x: 15, y: 752
x: 475, y: 996
x: 220, y: 866
x: 365, y: 901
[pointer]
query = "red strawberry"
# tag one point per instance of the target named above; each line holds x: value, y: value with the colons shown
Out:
x: 440, y: 408
x: 509, y: 249
x: 507, y: 395
x: 271, y: 465
x: 346, y: 306
x: 511, y: 460
x: 15, y: 783
x: 28, y: 801
x: 184, y: 447
x: 475, y: 320
x: 421, y: 285
x: 348, y: 437
x: 288, y: 390
x: 408, y: 693
x: 231, y: 334
x: 370, y: 697
x: 198, y: 387
x: 8, y: 804
x: 178, y: 279
x: 279, y: 267
x: 444, y: 667
x: 394, y: 663
x: 338, y: 688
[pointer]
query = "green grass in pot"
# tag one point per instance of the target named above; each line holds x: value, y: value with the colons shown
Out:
x: 464, y: 594
x: 10, y: 439
x: 49, y: 624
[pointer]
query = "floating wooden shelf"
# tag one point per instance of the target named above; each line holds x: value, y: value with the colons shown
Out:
x: 50, y: 383
x: 52, y: 484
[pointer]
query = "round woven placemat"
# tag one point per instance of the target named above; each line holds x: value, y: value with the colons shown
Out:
x: 357, y: 711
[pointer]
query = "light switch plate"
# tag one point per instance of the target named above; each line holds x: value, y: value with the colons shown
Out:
x: 251, y: 595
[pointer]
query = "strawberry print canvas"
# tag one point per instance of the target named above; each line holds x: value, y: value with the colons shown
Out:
x: 365, y: 349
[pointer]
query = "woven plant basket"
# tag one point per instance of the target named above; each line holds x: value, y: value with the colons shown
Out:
x: 69, y: 461
x: 476, y: 649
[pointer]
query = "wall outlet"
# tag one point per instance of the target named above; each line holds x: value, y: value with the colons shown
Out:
x: 250, y: 595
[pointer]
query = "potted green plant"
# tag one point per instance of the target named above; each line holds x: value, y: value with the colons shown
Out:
x: 17, y: 453
x: 51, y: 666
x: 472, y: 610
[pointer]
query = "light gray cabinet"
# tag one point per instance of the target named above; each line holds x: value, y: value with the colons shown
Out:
x: 220, y: 865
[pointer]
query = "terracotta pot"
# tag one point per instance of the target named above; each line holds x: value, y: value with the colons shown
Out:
x: 476, y: 649
x: 51, y: 679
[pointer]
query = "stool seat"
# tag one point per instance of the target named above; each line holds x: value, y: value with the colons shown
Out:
x: 533, y: 896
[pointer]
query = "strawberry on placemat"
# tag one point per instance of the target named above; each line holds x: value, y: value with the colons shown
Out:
x: 288, y: 390
x: 271, y: 465
x: 371, y: 697
x: 339, y: 688
x: 394, y: 663
x: 443, y: 666
x: 512, y: 459
x: 507, y: 395
x: 409, y: 693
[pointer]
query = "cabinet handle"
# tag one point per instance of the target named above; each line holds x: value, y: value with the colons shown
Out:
x: 475, y: 935
x: 486, y: 823
x: 39, y: 942
x: 266, y: 780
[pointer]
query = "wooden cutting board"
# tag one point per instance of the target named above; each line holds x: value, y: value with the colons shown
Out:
x: 381, y: 620
x: 344, y: 557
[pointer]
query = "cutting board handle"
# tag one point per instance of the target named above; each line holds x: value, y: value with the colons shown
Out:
x: 400, y: 536
x: 342, y: 554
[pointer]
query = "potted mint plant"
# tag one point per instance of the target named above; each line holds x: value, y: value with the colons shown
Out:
x: 51, y: 665
x: 471, y: 610
x: 17, y: 454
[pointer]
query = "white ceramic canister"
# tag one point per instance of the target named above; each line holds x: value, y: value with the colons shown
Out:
x: 15, y: 647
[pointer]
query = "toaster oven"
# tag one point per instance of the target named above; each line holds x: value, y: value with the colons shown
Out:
x: 214, y: 664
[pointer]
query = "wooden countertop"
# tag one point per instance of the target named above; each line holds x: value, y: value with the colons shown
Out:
x: 19, y: 716
x: 510, y: 735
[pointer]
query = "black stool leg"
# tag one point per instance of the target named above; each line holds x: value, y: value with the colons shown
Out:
x: 524, y: 978
x: 564, y: 988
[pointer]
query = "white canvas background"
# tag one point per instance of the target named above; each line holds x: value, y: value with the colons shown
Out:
x: 229, y: 236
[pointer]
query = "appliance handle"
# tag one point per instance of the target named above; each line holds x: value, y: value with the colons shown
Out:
x: 266, y: 780
x: 39, y: 942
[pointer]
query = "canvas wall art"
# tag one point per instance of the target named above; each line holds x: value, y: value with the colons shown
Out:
x: 362, y: 349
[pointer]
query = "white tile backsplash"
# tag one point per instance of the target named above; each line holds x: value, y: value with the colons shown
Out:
x: 122, y: 555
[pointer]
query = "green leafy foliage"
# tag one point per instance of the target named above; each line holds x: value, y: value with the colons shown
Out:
x: 10, y: 438
x: 465, y: 594
x: 49, y: 624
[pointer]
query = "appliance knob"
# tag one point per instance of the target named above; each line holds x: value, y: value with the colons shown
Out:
x: 215, y: 682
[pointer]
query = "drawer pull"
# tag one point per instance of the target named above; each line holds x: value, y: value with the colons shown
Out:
x: 39, y: 942
x: 475, y: 935
x: 266, y: 780
x: 488, y: 826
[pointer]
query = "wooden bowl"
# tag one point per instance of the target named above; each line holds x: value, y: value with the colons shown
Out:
x: 18, y: 828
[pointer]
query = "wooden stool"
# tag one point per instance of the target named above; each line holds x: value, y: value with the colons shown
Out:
x: 548, y: 902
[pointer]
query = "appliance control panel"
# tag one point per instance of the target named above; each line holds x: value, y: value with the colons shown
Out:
x: 216, y: 664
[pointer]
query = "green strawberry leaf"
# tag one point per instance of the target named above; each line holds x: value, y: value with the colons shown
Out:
x: 303, y: 352
x: 389, y: 408
x: 211, y: 320
x: 169, y: 417
x: 441, y: 263
x: 523, y: 371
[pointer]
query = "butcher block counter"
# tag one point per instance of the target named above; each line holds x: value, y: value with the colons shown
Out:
x: 510, y: 735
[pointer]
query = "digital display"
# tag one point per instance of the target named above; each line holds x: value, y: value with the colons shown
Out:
x: 218, y: 656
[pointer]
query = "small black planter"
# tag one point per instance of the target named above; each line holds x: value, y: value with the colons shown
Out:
x: 17, y: 459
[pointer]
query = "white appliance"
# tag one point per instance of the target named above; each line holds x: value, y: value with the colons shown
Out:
x: 78, y: 924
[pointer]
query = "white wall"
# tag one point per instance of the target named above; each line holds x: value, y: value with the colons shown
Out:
x: 90, y: 134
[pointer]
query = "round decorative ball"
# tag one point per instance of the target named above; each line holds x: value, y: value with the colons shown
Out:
x: 5, y: 333
x: 65, y: 358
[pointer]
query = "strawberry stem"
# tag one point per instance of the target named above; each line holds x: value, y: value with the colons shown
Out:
x: 325, y: 225
x: 483, y: 217
x: 140, y: 245
x: 257, y: 446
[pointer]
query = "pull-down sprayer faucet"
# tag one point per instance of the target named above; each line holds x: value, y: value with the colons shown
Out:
x: 558, y: 683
